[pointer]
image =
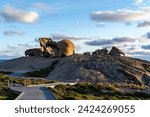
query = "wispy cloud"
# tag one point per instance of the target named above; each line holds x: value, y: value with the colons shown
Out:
x: 141, y: 2
x: 11, y: 14
x: 15, y: 51
x: 138, y: 2
x: 12, y: 33
x: 25, y: 45
x: 147, y: 47
x: 11, y: 47
x: 144, y: 24
x: 104, y: 42
x: 39, y: 5
x: 120, y: 16
x: 62, y: 36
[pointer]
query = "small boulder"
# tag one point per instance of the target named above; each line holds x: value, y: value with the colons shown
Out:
x: 86, y: 54
x: 100, y: 52
x: 116, y: 52
x: 34, y: 52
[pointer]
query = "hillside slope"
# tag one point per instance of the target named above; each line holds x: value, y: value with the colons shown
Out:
x: 89, y: 68
x: 104, y: 68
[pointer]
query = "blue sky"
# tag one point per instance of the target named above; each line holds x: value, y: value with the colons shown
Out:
x: 90, y: 24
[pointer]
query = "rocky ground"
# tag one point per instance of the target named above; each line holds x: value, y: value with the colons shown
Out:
x: 122, y: 71
x: 102, y: 69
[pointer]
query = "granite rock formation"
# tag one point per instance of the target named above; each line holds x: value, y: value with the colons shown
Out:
x: 34, y: 52
x: 100, y: 52
x: 57, y: 49
x: 105, y: 68
x: 116, y: 52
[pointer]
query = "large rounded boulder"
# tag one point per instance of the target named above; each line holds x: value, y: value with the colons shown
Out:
x: 66, y: 46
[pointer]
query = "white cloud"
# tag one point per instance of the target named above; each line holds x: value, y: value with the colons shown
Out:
x: 16, y: 51
x: 138, y: 2
x: 120, y: 16
x: 11, y: 14
x: 13, y: 33
x: 61, y: 36
x: 141, y: 2
x: 104, y: 42
x: 39, y: 5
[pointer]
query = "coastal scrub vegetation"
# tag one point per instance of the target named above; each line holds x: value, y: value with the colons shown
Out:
x: 88, y: 91
x: 7, y: 94
x: 42, y: 73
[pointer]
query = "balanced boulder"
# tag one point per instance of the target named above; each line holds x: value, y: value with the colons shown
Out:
x: 44, y: 42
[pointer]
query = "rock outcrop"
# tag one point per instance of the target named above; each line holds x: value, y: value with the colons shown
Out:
x: 100, y: 52
x: 114, y: 69
x: 66, y: 47
x: 116, y: 52
x: 34, y: 52
x: 51, y: 48
x: 107, y: 68
x: 87, y: 53
x: 43, y: 42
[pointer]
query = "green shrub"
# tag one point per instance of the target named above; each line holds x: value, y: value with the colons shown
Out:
x: 43, y: 73
x: 88, y: 91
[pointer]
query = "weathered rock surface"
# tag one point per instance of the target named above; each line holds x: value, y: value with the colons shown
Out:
x: 116, y: 52
x: 94, y: 69
x: 34, y: 52
x: 102, y: 69
x: 26, y: 64
x: 100, y: 52
x: 62, y: 48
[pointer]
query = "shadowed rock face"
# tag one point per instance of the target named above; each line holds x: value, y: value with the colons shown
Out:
x: 100, y: 52
x: 34, y: 52
x: 87, y: 53
x: 116, y: 52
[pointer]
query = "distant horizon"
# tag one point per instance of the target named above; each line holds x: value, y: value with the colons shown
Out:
x: 89, y: 24
x: 142, y: 58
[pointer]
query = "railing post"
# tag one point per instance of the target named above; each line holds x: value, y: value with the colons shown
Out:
x: 34, y: 81
x: 24, y: 82
x: 8, y: 83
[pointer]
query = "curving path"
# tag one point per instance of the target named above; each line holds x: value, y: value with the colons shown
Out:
x: 36, y: 92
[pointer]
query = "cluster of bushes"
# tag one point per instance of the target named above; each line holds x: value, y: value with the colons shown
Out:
x: 5, y: 72
x: 38, y: 81
x: 6, y: 93
x: 42, y: 73
x: 146, y: 67
x: 88, y: 91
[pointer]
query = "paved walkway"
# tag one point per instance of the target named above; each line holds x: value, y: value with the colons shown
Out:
x: 36, y: 92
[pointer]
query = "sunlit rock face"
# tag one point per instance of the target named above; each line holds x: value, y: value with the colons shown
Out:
x: 62, y: 48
